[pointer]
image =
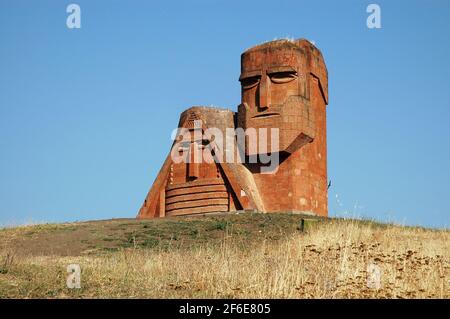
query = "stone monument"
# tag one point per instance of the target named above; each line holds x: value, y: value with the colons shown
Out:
x: 270, y: 156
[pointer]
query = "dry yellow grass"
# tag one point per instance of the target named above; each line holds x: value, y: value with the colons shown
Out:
x: 330, y: 260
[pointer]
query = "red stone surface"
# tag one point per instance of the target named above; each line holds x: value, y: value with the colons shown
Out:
x: 284, y: 86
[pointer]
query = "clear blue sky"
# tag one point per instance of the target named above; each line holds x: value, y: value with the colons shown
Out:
x: 86, y: 115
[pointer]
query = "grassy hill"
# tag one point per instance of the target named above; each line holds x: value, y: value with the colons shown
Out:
x: 232, y: 256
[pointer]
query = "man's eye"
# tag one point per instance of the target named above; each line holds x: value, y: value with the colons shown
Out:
x: 283, y: 77
x: 248, y: 83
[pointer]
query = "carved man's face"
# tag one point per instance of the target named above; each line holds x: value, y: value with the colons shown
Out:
x: 273, y: 81
x: 267, y: 80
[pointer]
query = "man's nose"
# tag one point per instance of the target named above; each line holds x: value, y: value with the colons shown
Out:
x: 264, y: 93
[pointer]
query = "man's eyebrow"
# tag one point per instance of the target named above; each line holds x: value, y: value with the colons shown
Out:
x: 277, y: 69
x: 249, y: 74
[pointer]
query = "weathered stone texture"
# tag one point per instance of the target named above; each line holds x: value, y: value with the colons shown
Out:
x: 284, y: 86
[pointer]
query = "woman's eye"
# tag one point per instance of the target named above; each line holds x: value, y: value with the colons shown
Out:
x: 248, y: 83
x: 185, y: 145
x: 283, y: 77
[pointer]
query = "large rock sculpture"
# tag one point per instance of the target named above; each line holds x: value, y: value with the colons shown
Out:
x: 270, y: 156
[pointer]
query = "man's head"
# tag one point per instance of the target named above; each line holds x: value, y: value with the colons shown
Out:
x: 275, y: 80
